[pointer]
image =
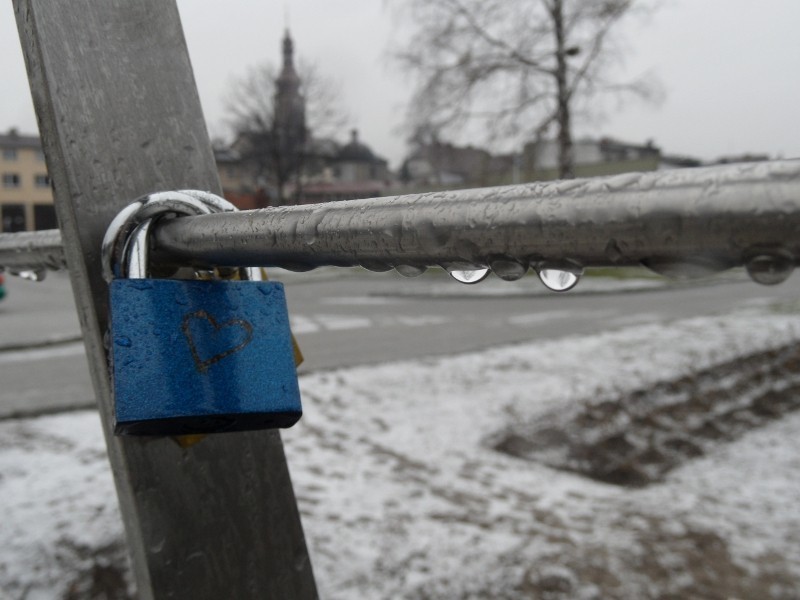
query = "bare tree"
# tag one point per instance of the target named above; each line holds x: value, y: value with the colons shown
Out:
x: 516, y: 66
x: 275, y: 128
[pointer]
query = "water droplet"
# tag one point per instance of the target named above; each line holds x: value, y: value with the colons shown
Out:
x: 508, y: 270
x: 558, y: 280
x: 469, y: 276
x: 560, y: 276
x: 267, y: 290
x: 613, y: 251
x: 31, y: 275
x: 410, y: 270
x: 297, y: 267
x: 158, y: 545
x: 770, y: 269
x: 376, y: 266
x: 123, y: 341
x: 310, y: 227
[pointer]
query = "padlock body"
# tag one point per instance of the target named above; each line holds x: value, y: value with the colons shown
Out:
x: 194, y: 356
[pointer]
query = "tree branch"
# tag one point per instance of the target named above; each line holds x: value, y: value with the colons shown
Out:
x: 484, y: 34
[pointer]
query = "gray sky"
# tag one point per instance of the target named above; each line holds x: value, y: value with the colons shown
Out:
x: 729, y: 68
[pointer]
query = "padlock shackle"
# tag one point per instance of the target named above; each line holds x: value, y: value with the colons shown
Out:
x: 125, y: 247
x: 137, y: 251
x: 129, y: 218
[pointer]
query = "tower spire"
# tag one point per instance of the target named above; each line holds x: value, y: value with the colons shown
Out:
x: 288, y: 50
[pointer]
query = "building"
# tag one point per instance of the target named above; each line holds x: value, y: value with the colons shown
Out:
x: 345, y: 172
x: 741, y: 158
x: 289, y: 124
x: 270, y: 149
x: 593, y: 157
x: 26, y: 198
x: 307, y: 169
x: 280, y: 160
x: 356, y: 162
x: 439, y: 165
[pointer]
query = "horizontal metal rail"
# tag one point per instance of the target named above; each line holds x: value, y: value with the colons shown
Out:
x: 683, y: 222
x: 32, y: 251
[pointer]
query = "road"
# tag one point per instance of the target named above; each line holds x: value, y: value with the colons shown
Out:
x: 345, y: 317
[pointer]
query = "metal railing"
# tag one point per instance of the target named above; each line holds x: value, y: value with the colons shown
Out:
x: 32, y: 250
x: 680, y: 222
x: 221, y: 519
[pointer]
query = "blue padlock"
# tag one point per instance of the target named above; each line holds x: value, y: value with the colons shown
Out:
x: 192, y: 356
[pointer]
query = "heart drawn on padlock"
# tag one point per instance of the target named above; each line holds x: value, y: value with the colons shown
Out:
x: 210, y: 341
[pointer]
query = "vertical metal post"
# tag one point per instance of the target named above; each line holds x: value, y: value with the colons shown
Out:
x: 119, y: 116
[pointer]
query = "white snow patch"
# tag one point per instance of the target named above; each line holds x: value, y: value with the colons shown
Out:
x: 342, y: 322
x: 56, y: 497
x: 361, y: 300
x: 302, y: 324
x: 401, y: 497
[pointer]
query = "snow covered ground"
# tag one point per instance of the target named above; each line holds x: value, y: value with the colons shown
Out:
x: 402, y: 495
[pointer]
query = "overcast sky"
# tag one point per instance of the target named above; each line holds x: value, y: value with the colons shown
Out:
x: 730, y: 69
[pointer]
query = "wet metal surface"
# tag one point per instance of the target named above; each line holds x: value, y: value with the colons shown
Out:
x: 685, y: 223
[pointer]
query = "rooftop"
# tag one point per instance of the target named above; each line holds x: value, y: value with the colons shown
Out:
x: 14, y: 139
x: 356, y: 150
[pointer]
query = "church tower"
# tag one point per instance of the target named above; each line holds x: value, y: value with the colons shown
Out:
x: 290, y: 105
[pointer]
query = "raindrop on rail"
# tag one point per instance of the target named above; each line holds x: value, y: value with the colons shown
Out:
x: 770, y: 269
x: 469, y: 276
x: 558, y: 280
x: 31, y: 275
x: 410, y: 270
x: 508, y: 270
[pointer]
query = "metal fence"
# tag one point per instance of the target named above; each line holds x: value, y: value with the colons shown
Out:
x: 680, y: 222
x: 120, y: 117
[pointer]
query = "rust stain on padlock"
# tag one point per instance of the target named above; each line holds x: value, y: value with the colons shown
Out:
x: 298, y: 355
x: 187, y: 441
